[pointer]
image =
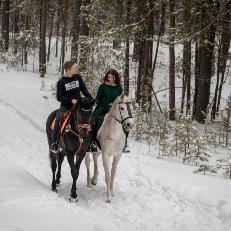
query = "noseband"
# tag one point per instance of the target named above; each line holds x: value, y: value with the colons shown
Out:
x: 86, y: 126
x: 122, y: 120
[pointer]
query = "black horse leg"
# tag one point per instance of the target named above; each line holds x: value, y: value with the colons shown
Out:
x: 60, y: 161
x: 53, y: 167
x: 74, y: 173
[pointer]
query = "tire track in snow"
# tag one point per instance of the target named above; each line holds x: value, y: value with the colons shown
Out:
x: 24, y: 116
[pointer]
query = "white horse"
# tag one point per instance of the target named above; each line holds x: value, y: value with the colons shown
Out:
x: 111, y: 136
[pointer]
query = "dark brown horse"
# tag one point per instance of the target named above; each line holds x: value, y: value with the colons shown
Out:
x: 74, y: 142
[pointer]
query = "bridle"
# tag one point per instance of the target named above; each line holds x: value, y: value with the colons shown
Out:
x: 86, y: 126
x: 122, y: 120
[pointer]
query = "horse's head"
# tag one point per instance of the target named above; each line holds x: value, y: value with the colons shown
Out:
x: 83, y: 113
x: 122, y: 110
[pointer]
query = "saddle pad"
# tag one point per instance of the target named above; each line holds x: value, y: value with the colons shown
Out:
x: 63, y: 122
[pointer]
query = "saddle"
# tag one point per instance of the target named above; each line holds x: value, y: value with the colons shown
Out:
x: 64, y: 122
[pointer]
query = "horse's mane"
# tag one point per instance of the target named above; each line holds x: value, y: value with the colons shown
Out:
x: 85, y: 103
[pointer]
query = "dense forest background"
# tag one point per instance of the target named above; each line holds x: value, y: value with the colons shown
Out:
x: 127, y: 35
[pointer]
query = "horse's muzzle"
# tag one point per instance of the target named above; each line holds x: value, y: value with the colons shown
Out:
x: 129, y: 125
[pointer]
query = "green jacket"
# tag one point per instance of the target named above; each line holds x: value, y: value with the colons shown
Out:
x: 106, y: 95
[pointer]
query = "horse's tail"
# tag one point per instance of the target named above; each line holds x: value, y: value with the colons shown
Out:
x: 48, y: 126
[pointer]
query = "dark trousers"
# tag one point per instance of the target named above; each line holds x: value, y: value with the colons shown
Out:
x: 98, y: 121
x: 59, y: 116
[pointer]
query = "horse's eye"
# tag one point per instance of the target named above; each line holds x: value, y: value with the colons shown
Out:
x: 121, y: 108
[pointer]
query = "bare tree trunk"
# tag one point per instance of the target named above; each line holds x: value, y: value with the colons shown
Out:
x: 64, y: 34
x: 136, y: 48
x: 197, y: 72
x: 50, y: 36
x: 85, y: 31
x: 118, y: 6
x: 206, y: 60
x: 16, y: 30
x: 213, y: 113
x: 161, y: 25
x: 188, y: 74
x: 0, y: 14
x: 26, y: 44
x: 183, y: 89
x: 225, y: 43
x: 140, y: 69
x: 139, y: 45
x: 42, y: 48
x: 126, y: 71
x: 186, y: 59
x: 57, y: 28
x: 171, y: 61
x: 76, y: 30
x: 5, y: 23
x: 147, y: 78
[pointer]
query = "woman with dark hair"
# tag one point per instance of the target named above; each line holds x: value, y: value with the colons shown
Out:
x: 108, y: 91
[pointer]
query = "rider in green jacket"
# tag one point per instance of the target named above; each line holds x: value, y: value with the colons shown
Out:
x: 107, y: 93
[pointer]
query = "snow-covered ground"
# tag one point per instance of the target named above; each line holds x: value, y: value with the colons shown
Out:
x: 150, y: 194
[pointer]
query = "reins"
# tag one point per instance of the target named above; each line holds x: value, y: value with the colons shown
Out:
x: 80, y: 126
x: 122, y: 121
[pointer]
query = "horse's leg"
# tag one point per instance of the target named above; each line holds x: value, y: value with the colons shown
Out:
x: 87, y: 163
x: 94, y: 179
x: 113, y: 172
x: 107, y: 175
x: 53, y: 168
x: 73, y: 195
x: 60, y: 161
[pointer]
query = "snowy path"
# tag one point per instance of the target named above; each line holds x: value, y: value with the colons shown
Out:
x: 144, y: 200
x: 140, y: 202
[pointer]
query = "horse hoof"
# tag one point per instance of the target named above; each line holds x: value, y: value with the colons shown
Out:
x: 54, y: 190
x: 73, y: 200
x: 108, y: 201
x: 93, y: 183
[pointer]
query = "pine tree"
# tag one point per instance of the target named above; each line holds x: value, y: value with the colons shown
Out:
x: 197, y: 153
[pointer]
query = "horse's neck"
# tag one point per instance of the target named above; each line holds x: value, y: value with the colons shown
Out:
x: 111, y: 124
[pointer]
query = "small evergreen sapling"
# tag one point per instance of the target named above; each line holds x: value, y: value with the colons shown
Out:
x: 163, y: 131
x: 225, y: 164
x: 227, y: 120
x: 197, y: 153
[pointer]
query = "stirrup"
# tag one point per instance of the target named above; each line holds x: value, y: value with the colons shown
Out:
x: 93, y: 147
x: 54, y: 148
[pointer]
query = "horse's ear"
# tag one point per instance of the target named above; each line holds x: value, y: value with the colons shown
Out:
x: 123, y: 97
